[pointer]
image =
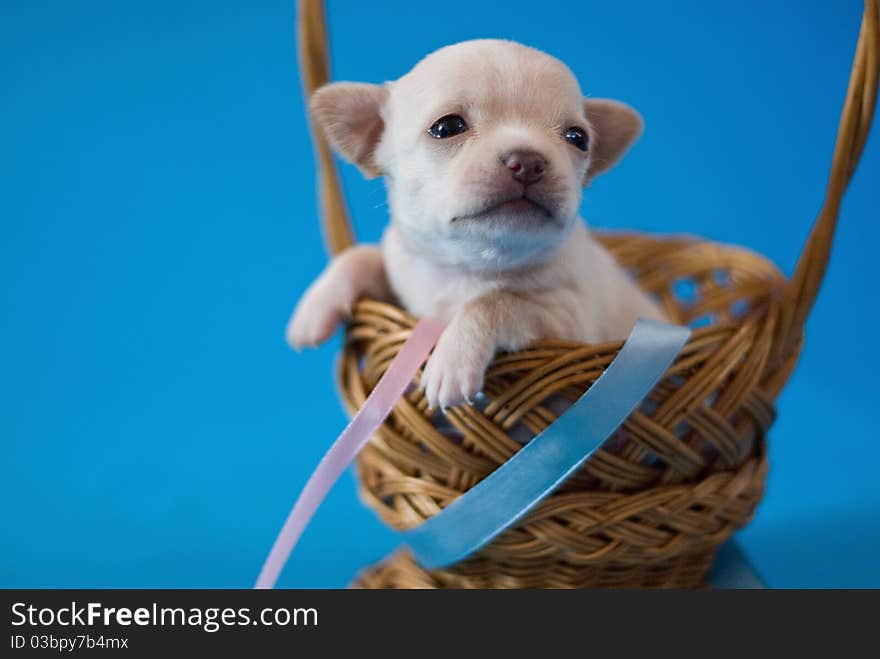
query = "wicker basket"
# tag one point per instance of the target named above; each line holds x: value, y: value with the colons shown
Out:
x: 684, y: 471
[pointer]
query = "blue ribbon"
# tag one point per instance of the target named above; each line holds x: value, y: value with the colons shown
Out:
x: 513, y: 489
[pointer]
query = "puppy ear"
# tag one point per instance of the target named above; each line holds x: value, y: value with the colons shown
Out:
x: 615, y: 127
x: 350, y: 114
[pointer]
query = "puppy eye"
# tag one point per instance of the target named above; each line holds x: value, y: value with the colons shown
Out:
x: 576, y: 137
x: 448, y: 126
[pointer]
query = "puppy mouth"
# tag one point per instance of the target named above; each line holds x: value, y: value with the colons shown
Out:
x: 520, y: 209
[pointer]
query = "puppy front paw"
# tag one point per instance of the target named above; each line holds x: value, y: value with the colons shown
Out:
x: 316, y: 317
x: 455, y: 371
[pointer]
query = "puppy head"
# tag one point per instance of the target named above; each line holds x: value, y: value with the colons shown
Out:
x: 485, y: 147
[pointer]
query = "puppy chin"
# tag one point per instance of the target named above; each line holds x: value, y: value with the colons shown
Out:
x: 509, y: 237
x: 514, y: 215
x: 531, y: 214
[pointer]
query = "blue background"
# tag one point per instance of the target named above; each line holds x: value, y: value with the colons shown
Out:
x: 158, y: 224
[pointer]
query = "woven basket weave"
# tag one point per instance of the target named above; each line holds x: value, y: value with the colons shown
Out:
x: 684, y: 471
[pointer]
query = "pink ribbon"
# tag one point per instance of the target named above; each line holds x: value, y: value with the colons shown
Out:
x: 391, y: 386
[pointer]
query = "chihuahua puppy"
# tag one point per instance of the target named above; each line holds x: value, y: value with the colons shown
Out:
x: 485, y: 147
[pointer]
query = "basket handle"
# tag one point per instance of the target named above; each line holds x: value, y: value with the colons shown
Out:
x: 852, y: 132
x: 314, y: 63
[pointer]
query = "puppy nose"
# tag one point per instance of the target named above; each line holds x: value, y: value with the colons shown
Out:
x: 525, y: 166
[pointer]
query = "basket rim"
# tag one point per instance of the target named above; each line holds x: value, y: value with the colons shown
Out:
x: 776, y: 283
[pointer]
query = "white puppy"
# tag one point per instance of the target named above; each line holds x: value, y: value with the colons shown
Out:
x: 485, y: 147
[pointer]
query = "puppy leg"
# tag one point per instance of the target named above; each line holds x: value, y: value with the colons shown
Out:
x: 456, y: 369
x: 357, y: 272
